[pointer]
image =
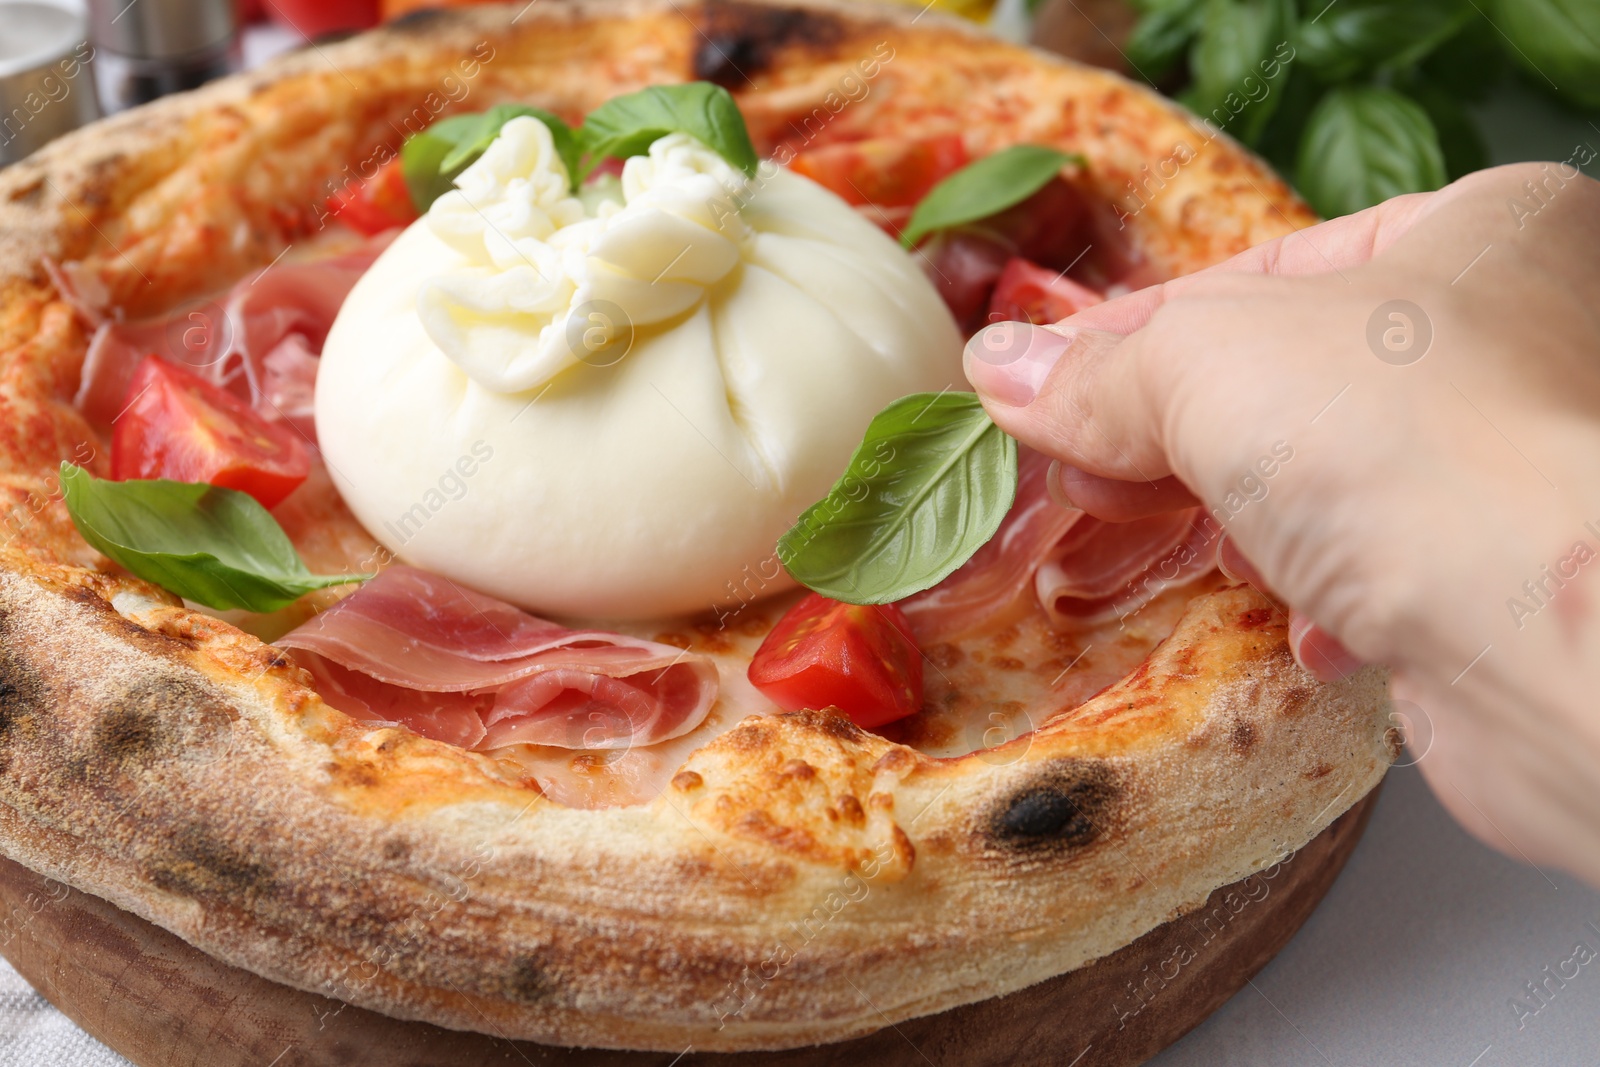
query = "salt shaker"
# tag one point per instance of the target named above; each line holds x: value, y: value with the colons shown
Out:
x: 149, y: 48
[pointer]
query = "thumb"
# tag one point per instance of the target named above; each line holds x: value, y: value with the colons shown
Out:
x: 1072, y: 393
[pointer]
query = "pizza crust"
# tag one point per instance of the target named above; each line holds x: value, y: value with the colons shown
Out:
x: 801, y: 881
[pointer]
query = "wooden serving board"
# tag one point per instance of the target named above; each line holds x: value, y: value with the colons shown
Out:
x: 163, y: 1003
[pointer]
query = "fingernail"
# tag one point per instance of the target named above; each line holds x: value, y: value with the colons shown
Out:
x: 1056, y: 487
x: 1234, y: 567
x: 1319, y: 652
x: 1010, y: 361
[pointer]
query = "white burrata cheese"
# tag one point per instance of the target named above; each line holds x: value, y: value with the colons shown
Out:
x: 611, y: 405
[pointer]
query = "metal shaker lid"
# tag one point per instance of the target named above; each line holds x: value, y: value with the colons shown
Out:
x: 160, y: 29
x: 46, y: 86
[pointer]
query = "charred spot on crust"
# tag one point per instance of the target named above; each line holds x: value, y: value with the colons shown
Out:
x: 528, y: 981
x: 1242, y: 737
x: 126, y: 732
x: 1065, y: 807
x: 422, y: 20
x: 164, y: 715
x: 197, y: 863
x: 21, y: 694
x: 740, y: 41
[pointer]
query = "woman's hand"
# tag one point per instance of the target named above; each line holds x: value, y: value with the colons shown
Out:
x: 1395, y: 417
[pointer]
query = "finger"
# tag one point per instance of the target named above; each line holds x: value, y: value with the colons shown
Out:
x: 1233, y: 564
x: 1065, y: 393
x: 1327, y: 247
x: 1319, y: 652
x: 1113, y: 500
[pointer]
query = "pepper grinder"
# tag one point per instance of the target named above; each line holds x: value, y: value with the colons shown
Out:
x: 149, y: 48
x: 46, y: 86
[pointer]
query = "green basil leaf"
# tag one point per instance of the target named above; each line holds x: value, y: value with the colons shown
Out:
x: 1279, y: 140
x: 926, y: 489
x: 1355, y: 37
x: 985, y: 187
x: 488, y: 126
x: 1469, y: 65
x: 1363, y: 145
x: 1557, y: 42
x: 627, y: 125
x: 422, y: 153
x: 1159, y: 39
x: 1459, y: 137
x: 1238, y: 57
x: 215, y: 546
x: 434, y: 158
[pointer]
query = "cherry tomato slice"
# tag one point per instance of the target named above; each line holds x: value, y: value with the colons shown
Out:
x: 1027, y: 292
x: 375, y: 204
x: 178, y: 426
x: 860, y: 659
x: 888, y: 172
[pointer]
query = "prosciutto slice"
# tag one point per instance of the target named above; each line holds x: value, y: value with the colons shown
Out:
x: 1109, y: 570
x: 1001, y: 572
x: 260, y: 340
x: 1082, y: 570
x: 414, y: 648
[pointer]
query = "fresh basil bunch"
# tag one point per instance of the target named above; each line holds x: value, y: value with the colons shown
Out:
x: 621, y: 127
x: 1558, y: 40
x: 1361, y: 99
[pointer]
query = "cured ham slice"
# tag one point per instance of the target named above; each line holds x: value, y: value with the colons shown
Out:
x: 1082, y: 570
x: 414, y: 648
x: 1109, y: 570
x: 1001, y: 572
x: 260, y: 340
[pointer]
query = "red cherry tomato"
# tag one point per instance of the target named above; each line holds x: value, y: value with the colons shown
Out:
x: 375, y: 204
x: 860, y: 659
x: 178, y: 426
x: 1027, y: 292
x: 316, y: 17
x: 888, y: 172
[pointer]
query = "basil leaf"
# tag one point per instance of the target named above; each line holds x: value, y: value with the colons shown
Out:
x: 215, y: 546
x: 1358, y: 36
x: 985, y: 187
x: 1279, y: 140
x: 487, y: 127
x: 1236, y: 59
x: 627, y: 125
x: 1363, y: 145
x: 1558, y: 42
x: 1469, y: 65
x: 1159, y: 39
x: 926, y: 489
x: 422, y: 153
x: 1459, y: 139
x: 434, y: 158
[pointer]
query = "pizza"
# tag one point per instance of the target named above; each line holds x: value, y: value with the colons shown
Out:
x: 581, y: 764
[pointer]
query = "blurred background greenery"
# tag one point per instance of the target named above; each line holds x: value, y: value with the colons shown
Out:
x: 1355, y: 101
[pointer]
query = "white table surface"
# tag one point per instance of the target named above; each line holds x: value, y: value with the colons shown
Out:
x: 1413, y: 959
